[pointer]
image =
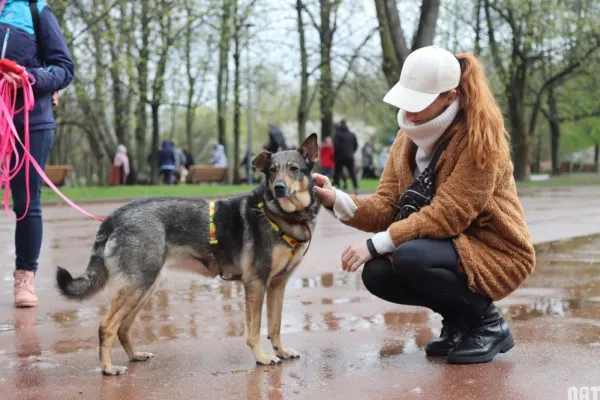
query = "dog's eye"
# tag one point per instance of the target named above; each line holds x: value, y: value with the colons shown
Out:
x: 293, y: 168
x: 273, y: 168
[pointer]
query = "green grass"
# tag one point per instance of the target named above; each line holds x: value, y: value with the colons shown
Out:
x: 130, y: 192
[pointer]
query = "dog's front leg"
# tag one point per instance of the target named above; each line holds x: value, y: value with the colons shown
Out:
x: 255, y: 295
x: 275, y: 294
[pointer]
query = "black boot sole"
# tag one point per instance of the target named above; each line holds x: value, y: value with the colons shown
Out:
x: 437, y: 352
x: 502, y: 347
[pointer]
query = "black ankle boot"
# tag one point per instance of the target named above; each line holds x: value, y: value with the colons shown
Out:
x: 452, y: 331
x: 488, y: 336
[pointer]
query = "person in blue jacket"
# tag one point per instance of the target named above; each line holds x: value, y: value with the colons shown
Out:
x: 167, y: 162
x: 50, y: 63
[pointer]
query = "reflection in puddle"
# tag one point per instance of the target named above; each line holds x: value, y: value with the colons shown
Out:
x: 340, y: 300
x: 327, y: 280
x: 544, y: 307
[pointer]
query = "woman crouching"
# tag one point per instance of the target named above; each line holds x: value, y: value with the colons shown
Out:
x: 450, y: 231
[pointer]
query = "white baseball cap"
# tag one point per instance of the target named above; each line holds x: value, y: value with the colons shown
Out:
x: 427, y: 72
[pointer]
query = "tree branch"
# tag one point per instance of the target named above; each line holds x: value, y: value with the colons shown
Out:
x: 577, y: 117
x: 90, y: 23
x: 393, y: 19
x: 312, y: 18
x: 554, y: 80
x: 353, y: 59
x: 493, y: 44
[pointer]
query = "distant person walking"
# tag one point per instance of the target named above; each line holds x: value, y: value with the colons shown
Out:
x: 368, y: 160
x: 327, y: 157
x: 167, y: 162
x: 345, y: 145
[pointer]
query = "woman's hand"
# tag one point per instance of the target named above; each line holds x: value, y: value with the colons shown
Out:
x: 325, y: 190
x: 11, y: 77
x: 355, y: 256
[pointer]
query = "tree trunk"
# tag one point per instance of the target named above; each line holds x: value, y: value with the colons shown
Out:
x: 155, y: 139
x: 174, y: 119
x: 326, y: 80
x: 430, y: 9
x: 158, y: 82
x: 190, y: 109
x: 116, y: 50
x: 396, y: 32
x: 553, y: 119
x: 390, y: 64
x: 477, y: 50
x: 127, y: 11
x: 393, y: 43
x: 538, y: 155
x: 236, y: 95
x: 520, y: 139
x: 142, y: 66
x: 521, y: 158
x: 596, y: 154
x: 303, y: 105
x: 223, y: 73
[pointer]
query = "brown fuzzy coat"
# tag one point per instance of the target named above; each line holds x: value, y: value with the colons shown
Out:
x: 477, y: 208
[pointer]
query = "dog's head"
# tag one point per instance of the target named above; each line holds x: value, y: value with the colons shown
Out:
x: 289, y: 174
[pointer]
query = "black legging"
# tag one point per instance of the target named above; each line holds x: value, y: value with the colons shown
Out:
x: 424, y: 274
x: 349, y: 164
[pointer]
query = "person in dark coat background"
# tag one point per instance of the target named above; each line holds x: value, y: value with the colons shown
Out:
x: 345, y: 145
x: 276, y: 140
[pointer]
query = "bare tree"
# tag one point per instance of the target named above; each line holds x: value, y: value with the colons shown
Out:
x: 223, y: 73
x: 328, y: 89
x: 305, y: 103
x: 239, y: 28
x: 393, y: 44
x: 527, y: 52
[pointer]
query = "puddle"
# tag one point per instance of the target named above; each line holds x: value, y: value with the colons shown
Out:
x: 544, y: 307
x: 564, y: 287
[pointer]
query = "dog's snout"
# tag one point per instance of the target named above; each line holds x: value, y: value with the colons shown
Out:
x: 280, y: 189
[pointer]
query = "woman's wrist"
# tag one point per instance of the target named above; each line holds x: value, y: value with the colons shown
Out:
x: 383, y: 243
x: 344, y: 207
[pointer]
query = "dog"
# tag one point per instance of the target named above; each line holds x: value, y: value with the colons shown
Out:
x: 258, y: 238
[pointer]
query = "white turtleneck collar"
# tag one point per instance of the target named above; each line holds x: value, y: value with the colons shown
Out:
x: 426, y: 135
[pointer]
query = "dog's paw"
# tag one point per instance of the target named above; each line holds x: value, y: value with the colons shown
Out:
x: 137, y: 357
x: 285, y: 354
x: 114, y: 370
x: 267, y: 359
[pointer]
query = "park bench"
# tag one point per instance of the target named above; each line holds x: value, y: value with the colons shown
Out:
x: 206, y: 174
x: 58, y: 174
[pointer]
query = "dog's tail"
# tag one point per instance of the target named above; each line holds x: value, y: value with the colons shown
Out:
x: 91, y: 282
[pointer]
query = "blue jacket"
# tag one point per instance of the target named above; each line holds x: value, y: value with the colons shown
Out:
x: 22, y: 48
x: 166, y: 156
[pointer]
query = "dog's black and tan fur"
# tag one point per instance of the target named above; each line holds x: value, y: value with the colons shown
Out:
x: 138, y: 240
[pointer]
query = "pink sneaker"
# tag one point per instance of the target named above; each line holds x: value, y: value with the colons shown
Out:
x: 24, y: 291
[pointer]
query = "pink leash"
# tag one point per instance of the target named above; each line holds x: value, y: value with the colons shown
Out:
x: 9, y: 137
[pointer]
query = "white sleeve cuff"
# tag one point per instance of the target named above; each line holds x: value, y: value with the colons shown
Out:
x: 383, y: 242
x: 343, y: 208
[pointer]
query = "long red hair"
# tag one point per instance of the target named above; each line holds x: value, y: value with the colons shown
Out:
x: 488, y: 138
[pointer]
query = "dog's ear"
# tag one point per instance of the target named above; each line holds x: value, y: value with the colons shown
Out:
x: 261, y: 161
x: 310, y: 150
